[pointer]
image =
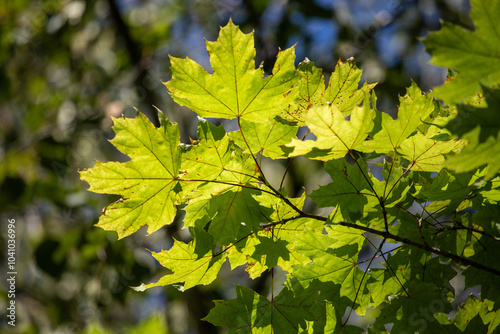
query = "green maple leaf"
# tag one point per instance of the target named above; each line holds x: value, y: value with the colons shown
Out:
x: 403, y: 267
x: 492, y: 193
x: 447, y: 192
x: 191, y: 264
x: 235, y: 89
x: 426, y: 154
x: 336, y: 136
x: 408, y: 313
x: 454, y: 240
x: 287, y: 234
x: 351, y: 192
x: 227, y: 213
x: 342, y: 90
x: 389, y: 134
x: 473, y: 316
x: 148, y: 183
x: 273, y: 250
x: 475, y: 55
x: 334, y: 261
x: 231, y: 210
x: 480, y: 126
x: 447, y: 186
x: 486, y: 251
x: 197, y: 213
x: 291, y: 311
x: 477, y: 154
x: 273, y: 246
x: 395, y: 185
x: 483, y: 113
x: 212, y: 164
x: 243, y: 314
x: 264, y: 137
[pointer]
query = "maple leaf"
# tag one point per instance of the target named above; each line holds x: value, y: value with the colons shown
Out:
x: 482, y: 112
x: 212, y: 164
x: 191, y: 264
x: 426, y: 154
x: 293, y: 310
x: 336, y: 136
x: 233, y: 209
x: 445, y: 191
x: 235, y: 89
x: 389, y: 134
x: 403, y: 266
x: 274, y: 246
x: 267, y: 138
x: 407, y: 314
x: 342, y: 90
x: 475, y: 55
x: 351, y: 192
x: 480, y: 127
x: 149, y: 194
x: 473, y: 316
x: 234, y: 213
x: 332, y: 261
x: 477, y: 154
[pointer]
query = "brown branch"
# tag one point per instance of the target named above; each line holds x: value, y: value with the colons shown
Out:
x: 406, y: 241
x: 435, y: 250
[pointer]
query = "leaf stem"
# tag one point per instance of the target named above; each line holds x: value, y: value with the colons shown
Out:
x: 251, y: 153
x: 290, y: 162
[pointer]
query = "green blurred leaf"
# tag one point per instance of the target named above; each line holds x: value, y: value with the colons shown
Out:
x: 475, y: 55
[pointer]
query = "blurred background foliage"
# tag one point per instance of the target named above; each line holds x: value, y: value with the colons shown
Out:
x: 67, y: 66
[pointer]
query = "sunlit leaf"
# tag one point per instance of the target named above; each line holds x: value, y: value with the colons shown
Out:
x: 149, y: 195
x: 191, y: 264
x: 336, y: 136
x: 389, y: 134
x: 236, y: 89
x: 426, y: 154
x: 403, y: 206
x: 342, y: 89
x: 264, y: 137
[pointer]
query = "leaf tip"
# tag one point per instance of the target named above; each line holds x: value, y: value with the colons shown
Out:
x: 140, y: 288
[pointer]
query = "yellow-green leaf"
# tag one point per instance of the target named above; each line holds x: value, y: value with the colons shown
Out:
x: 147, y: 183
x: 235, y: 89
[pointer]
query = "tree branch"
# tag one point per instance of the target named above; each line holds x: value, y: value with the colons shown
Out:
x: 435, y: 250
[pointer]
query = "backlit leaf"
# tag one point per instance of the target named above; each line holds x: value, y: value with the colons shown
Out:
x: 342, y: 89
x: 235, y: 89
x: 149, y: 195
x: 389, y: 134
x: 191, y: 264
x: 336, y: 136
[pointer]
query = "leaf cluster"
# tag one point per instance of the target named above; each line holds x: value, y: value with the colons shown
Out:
x: 402, y: 190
